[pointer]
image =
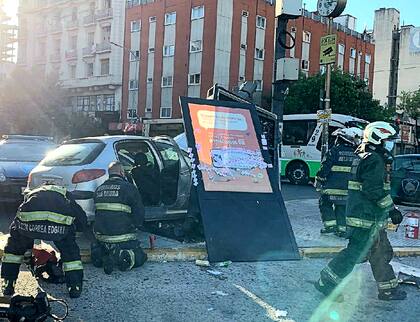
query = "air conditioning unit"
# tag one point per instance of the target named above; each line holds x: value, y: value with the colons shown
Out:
x: 289, y: 8
x: 150, y: 80
x: 151, y: 50
x: 152, y: 19
x: 245, y: 13
x: 244, y: 46
x: 293, y: 29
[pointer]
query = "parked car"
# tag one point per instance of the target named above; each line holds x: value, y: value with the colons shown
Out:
x: 81, y: 166
x: 405, y: 182
x: 19, y: 154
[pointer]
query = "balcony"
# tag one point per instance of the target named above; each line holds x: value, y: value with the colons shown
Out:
x: 89, y: 51
x: 72, y: 24
x: 55, y: 58
x: 104, y: 14
x: 89, y: 20
x: 56, y: 28
x: 103, y: 47
x: 71, y: 54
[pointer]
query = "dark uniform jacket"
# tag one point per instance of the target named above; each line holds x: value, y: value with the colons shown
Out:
x: 49, y: 213
x: 119, y: 211
x: 335, y: 172
x: 369, y: 199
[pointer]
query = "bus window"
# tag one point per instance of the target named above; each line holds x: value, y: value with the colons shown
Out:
x: 298, y: 132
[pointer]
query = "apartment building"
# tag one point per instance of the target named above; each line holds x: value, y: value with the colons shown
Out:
x: 8, y: 42
x: 355, y: 51
x: 183, y: 47
x: 73, y: 41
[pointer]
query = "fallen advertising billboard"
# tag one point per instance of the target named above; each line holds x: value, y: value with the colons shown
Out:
x: 228, y: 150
x: 237, y: 193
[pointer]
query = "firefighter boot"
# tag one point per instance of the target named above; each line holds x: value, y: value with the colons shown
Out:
x: 329, y: 230
x: 75, y: 290
x: 126, y: 260
x: 108, y: 263
x: 392, y: 294
x: 9, y: 287
x: 327, y: 290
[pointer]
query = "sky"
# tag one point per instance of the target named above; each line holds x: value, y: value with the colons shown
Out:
x: 364, y: 10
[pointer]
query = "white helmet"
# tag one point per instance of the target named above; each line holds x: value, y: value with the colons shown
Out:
x: 353, y: 135
x: 377, y: 132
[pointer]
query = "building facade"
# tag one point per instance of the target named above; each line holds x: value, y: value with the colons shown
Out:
x: 183, y: 47
x: 73, y: 41
x: 8, y: 42
x: 398, y: 62
x: 355, y: 51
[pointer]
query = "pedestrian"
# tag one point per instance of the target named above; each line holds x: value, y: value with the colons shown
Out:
x: 332, y: 180
x: 369, y: 206
x: 119, y: 213
x: 48, y: 213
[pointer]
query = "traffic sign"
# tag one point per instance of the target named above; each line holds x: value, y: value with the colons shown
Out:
x: 323, y: 116
x: 328, y: 49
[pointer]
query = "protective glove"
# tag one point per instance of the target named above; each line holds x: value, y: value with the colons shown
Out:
x: 396, y: 216
x: 318, y: 183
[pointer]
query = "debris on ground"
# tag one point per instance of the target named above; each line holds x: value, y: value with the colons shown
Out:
x: 220, y: 293
x: 223, y: 264
x: 202, y: 263
x: 409, y: 279
x: 216, y: 274
x: 280, y: 313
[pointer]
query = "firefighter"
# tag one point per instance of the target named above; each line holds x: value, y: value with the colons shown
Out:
x: 369, y: 206
x: 332, y: 179
x: 48, y: 213
x: 119, y: 213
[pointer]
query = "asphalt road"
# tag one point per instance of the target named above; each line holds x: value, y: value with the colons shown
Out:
x: 250, y: 292
x: 295, y: 192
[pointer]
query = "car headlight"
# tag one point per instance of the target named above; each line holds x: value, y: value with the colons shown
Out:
x: 2, y: 177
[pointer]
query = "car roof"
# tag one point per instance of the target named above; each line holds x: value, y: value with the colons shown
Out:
x: 108, y: 138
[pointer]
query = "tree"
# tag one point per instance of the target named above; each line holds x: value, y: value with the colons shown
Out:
x: 30, y: 105
x: 349, y: 95
x: 410, y: 105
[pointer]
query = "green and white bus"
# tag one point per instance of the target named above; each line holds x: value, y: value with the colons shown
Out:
x: 301, y: 144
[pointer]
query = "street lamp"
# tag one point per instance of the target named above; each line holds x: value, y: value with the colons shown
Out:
x: 134, y: 54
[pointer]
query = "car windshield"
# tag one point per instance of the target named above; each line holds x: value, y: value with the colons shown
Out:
x: 24, y: 151
x: 411, y: 164
x: 74, y: 154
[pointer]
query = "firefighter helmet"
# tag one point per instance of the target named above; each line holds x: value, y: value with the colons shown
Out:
x: 352, y: 135
x: 377, y: 132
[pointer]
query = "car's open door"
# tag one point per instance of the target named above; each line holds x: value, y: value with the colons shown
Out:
x: 167, y: 148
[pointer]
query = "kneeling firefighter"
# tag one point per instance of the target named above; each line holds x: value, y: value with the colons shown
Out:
x: 369, y: 206
x: 48, y: 213
x: 119, y: 213
x: 333, y: 177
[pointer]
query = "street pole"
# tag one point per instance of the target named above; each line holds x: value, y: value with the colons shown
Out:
x: 134, y: 54
x: 327, y: 100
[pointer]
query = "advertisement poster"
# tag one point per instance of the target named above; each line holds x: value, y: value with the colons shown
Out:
x: 228, y: 150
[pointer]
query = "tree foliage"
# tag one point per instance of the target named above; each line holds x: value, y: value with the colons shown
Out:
x: 349, y: 95
x: 30, y: 105
x: 410, y: 103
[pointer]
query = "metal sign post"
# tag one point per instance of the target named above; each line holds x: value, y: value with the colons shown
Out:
x: 328, y: 56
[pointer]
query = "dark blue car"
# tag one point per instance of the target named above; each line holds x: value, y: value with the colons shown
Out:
x: 18, y: 156
x: 405, y: 183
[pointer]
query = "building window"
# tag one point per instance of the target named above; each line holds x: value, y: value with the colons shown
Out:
x: 194, y: 79
x: 168, y: 51
x: 74, y: 14
x: 134, y: 85
x: 90, y: 39
x: 105, y: 66
x: 367, y: 68
x: 109, y: 102
x: 170, y: 18
x: 367, y: 59
x: 306, y: 36
x: 73, y: 42
x: 167, y: 81
x: 259, y: 54
x: 259, y: 84
x: 83, y: 103
x: 322, y: 69
x: 72, y: 71
x: 95, y: 103
x: 134, y: 55
x: 352, y: 61
x: 135, y: 26
x: 165, y: 112
x: 261, y: 22
x: 196, y: 46
x: 353, y: 53
x: 89, y: 69
x: 305, y: 64
x: 341, y: 52
x: 197, y: 13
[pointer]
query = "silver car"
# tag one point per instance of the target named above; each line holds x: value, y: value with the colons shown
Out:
x: 80, y: 165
